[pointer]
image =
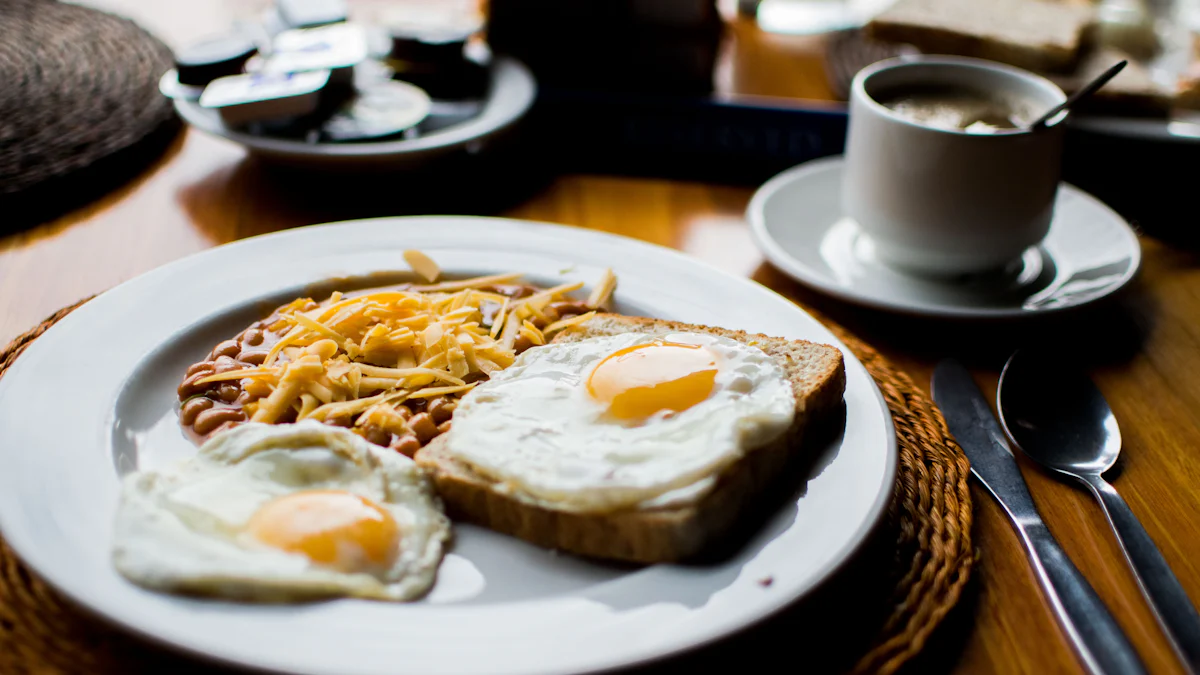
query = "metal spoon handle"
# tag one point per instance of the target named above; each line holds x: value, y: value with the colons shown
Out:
x: 1170, y: 603
x: 1101, y: 644
x: 1083, y: 92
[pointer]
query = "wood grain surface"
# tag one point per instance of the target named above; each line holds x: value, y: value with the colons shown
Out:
x: 1143, y: 350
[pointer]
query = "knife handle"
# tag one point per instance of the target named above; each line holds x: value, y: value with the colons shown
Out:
x: 1097, y: 638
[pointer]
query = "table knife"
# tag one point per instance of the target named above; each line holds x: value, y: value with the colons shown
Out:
x: 1098, y: 640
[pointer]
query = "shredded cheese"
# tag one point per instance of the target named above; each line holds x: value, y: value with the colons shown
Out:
x: 423, y: 265
x: 603, y: 290
x: 567, y: 323
x: 357, y: 358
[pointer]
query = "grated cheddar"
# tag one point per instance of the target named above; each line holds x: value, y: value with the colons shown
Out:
x: 375, y: 361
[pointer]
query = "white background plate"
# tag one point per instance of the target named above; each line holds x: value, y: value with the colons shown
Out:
x: 95, y: 395
x: 511, y: 91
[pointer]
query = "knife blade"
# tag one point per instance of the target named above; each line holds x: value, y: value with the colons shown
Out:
x: 1094, y: 633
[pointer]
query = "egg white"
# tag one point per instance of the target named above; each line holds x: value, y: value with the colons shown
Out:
x: 181, y: 529
x: 535, y: 430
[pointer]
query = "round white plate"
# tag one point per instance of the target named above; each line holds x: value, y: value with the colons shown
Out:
x: 796, y: 219
x: 95, y: 396
x: 511, y: 91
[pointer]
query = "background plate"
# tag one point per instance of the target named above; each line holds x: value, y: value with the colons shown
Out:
x: 511, y: 91
x: 94, y: 397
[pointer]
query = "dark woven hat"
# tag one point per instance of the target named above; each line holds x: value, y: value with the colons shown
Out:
x: 78, y: 91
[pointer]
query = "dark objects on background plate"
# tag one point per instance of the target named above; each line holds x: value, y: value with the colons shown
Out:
x: 243, y: 100
x: 465, y: 79
x: 202, y: 62
x: 380, y: 110
x: 431, y: 46
x: 407, y: 76
x: 452, y: 127
x: 80, y: 107
x: 1059, y: 418
x: 339, y: 48
x: 439, y: 53
x: 1095, y: 635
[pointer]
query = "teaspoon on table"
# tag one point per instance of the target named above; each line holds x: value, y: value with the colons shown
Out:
x: 1061, y: 420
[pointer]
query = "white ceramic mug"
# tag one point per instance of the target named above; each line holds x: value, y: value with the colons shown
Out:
x: 946, y: 202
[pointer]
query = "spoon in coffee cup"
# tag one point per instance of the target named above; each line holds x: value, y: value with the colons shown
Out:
x: 1080, y: 94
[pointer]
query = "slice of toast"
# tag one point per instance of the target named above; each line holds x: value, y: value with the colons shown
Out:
x: 1042, y: 36
x: 662, y: 534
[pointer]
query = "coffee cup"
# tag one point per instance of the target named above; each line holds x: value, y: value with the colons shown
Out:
x: 942, y: 172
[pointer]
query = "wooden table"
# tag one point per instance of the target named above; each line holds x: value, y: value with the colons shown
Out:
x: 1144, y: 351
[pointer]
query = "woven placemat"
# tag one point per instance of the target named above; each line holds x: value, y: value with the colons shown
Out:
x: 929, y: 520
x: 79, y: 86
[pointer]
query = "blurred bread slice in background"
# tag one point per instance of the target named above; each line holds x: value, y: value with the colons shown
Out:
x: 1057, y: 39
x: 1132, y: 92
x: 1187, y: 91
x: 1040, y: 36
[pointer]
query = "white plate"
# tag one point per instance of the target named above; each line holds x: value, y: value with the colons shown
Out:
x: 511, y: 91
x: 796, y: 219
x: 94, y: 397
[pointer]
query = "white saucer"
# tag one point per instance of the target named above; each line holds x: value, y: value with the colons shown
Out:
x: 796, y: 219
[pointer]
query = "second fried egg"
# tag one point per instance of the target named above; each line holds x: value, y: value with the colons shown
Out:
x: 621, y: 421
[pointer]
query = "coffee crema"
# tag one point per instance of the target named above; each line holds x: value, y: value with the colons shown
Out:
x: 958, y: 109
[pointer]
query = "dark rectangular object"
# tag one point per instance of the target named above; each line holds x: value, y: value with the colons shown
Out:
x: 701, y: 138
x: 574, y: 16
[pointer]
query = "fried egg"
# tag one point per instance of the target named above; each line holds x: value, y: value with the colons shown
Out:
x: 283, y: 512
x: 622, y: 421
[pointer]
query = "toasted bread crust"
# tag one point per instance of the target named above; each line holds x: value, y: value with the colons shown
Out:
x: 667, y: 534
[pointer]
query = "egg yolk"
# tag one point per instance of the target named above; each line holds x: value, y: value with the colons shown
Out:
x: 332, y: 528
x: 641, y: 380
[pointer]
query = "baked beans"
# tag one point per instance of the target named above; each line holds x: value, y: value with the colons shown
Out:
x: 208, y: 420
x: 211, y: 407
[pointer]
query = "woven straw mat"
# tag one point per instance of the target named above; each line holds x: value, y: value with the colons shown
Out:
x: 929, y: 518
x: 76, y: 86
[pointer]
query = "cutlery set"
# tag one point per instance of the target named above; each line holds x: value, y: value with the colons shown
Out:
x: 1060, y: 419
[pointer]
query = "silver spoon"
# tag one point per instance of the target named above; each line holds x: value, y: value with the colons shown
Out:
x: 1081, y: 93
x: 1061, y: 420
